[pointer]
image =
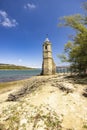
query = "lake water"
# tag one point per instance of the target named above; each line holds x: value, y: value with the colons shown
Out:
x: 12, y: 75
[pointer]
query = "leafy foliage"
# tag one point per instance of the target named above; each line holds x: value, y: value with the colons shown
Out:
x: 76, y: 49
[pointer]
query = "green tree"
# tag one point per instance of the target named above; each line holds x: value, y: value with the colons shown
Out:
x: 76, y: 49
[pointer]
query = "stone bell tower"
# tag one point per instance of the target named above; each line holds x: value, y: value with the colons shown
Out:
x: 48, y: 66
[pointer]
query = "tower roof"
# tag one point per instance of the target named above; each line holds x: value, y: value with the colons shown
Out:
x: 47, y: 40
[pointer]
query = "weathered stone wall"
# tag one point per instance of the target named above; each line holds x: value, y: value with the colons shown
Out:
x: 48, y: 66
x: 53, y: 67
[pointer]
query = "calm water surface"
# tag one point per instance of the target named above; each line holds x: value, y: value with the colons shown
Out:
x: 12, y: 75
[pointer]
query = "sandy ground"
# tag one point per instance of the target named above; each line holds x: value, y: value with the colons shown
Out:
x: 67, y: 101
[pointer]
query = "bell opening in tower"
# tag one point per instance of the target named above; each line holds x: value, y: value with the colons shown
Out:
x: 45, y: 47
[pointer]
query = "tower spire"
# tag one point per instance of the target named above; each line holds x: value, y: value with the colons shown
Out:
x: 47, y: 39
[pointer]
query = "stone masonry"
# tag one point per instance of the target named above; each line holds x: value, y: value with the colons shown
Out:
x: 48, y: 65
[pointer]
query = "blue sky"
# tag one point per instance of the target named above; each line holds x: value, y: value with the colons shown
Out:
x: 24, y: 25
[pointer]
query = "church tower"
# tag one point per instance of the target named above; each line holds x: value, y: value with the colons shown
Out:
x: 48, y: 66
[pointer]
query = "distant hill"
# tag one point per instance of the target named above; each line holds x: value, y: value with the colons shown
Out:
x: 13, y: 67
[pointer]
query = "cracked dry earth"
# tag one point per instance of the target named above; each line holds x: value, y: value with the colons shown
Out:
x: 44, y: 103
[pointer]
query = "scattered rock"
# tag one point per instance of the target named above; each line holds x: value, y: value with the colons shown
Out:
x: 12, y: 97
x: 65, y: 89
x: 85, y: 92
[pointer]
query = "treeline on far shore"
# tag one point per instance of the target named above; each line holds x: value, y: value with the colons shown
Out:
x: 13, y: 67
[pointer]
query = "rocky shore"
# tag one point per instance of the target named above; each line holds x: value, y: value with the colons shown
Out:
x: 57, y: 102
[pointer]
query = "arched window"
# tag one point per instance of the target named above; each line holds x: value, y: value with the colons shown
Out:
x: 46, y: 47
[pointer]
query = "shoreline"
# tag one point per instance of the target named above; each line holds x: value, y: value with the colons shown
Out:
x: 16, y: 75
x: 26, y: 79
x: 13, y: 84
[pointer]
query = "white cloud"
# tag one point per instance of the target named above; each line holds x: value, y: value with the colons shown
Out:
x: 29, y: 6
x: 6, y: 21
x: 3, y: 13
